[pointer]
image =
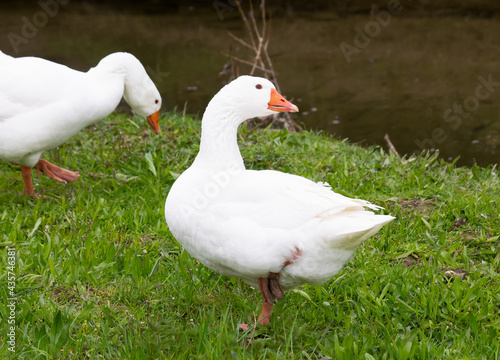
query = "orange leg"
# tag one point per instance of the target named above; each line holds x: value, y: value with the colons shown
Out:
x: 265, y: 313
x: 28, y: 184
x: 270, y: 289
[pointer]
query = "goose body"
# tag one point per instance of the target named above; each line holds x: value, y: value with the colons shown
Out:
x: 273, y: 230
x: 43, y: 104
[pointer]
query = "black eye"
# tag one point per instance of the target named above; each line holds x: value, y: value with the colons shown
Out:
x: 157, y: 101
x: 258, y: 86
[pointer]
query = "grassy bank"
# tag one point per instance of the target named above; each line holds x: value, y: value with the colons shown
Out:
x: 98, y: 275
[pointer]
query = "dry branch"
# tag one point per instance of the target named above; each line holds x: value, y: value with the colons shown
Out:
x: 260, y: 60
x: 392, y: 148
x: 247, y: 62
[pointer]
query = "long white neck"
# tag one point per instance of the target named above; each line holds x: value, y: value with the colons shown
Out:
x: 103, y: 94
x: 123, y: 63
x: 219, y: 143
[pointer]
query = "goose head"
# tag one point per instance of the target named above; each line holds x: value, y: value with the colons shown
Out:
x: 250, y: 96
x: 139, y: 92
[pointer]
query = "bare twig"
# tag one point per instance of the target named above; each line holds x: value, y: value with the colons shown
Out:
x: 391, y: 147
x: 270, y: 64
x: 257, y: 56
x: 263, y: 69
x: 242, y: 42
x: 251, y: 14
x: 258, y: 44
x: 263, y: 11
x: 249, y: 31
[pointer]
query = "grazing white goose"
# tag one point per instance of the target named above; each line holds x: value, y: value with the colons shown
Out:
x: 273, y: 230
x: 43, y: 104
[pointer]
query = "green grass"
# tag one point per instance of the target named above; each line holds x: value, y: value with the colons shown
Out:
x: 98, y: 274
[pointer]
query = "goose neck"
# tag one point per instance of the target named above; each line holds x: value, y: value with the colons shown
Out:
x: 219, y: 143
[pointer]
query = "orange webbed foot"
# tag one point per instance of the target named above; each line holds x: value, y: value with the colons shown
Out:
x: 55, y: 172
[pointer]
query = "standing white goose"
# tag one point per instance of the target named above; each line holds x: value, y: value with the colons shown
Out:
x: 43, y: 104
x: 273, y: 230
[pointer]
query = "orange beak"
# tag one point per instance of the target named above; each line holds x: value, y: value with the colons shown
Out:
x: 154, y: 121
x: 279, y: 103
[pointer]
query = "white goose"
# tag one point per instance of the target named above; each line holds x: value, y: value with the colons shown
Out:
x: 273, y: 230
x: 43, y: 104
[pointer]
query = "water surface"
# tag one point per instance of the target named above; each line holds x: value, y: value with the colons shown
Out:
x: 415, y: 79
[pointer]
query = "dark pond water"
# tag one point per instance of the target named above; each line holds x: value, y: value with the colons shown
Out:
x: 428, y: 81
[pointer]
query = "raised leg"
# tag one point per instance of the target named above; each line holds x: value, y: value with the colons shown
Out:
x: 51, y: 170
x: 270, y: 289
x: 55, y: 172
